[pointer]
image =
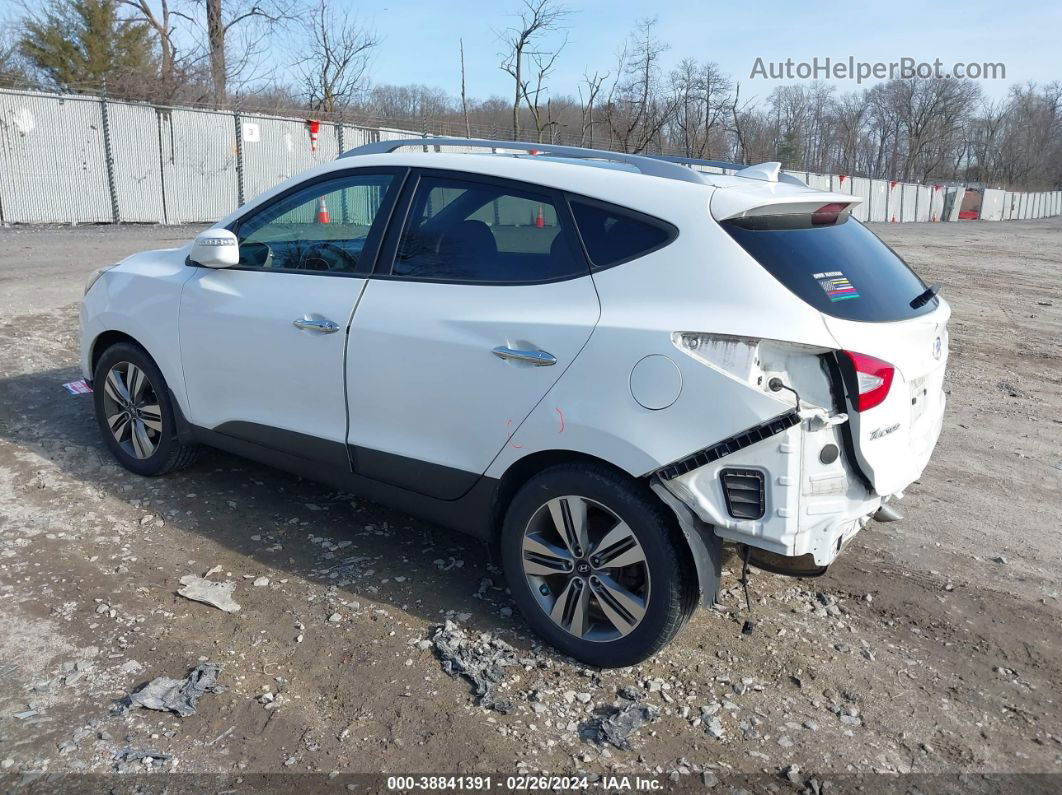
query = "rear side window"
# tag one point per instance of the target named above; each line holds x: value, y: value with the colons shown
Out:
x: 484, y: 232
x: 613, y: 235
x: 842, y: 269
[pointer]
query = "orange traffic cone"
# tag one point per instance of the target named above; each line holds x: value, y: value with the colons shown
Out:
x: 540, y: 221
x: 322, y: 211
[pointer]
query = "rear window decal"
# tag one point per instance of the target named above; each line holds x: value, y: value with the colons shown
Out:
x: 836, y: 285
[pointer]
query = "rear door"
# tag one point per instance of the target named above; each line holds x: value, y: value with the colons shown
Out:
x: 488, y: 301
x: 866, y: 294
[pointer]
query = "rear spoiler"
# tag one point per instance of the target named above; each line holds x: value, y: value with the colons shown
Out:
x: 781, y: 199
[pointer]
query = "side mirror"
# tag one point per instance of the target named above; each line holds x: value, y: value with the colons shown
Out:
x: 215, y: 248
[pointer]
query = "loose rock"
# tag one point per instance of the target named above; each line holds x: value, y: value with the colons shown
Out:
x: 618, y: 723
x: 216, y: 594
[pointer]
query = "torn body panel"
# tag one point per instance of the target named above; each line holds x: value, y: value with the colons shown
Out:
x: 812, y: 500
x: 809, y: 507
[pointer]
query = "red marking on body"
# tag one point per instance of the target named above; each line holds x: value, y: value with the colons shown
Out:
x: 561, y: 415
x: 514, y: 445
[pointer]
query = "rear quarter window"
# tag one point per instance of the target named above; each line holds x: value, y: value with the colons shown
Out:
x: 614, y: 235
x: 842, y: 269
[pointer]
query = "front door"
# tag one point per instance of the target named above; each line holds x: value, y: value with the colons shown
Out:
x: 488, y: 301
x: 262, y: 343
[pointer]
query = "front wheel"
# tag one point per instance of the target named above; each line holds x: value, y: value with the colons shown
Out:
x: 135, y: 412
x: 594, y: 563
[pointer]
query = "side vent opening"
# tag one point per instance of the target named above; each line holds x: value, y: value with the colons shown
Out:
x: 744, y: 490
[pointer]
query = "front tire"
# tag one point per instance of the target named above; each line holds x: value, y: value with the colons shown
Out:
x: 595, y: 564
x: 135, y: 413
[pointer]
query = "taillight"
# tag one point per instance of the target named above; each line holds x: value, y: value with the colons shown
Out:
x: 873, y: 379
x: 827, y: 214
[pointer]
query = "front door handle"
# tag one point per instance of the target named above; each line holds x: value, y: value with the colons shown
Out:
x: 321, y: 326
x: 537, y: 358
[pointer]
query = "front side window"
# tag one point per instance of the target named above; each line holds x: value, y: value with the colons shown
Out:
x: 480, y: 232
x: 320, y: 229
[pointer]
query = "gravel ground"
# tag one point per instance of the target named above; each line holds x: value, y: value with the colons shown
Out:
x: 932, y: 646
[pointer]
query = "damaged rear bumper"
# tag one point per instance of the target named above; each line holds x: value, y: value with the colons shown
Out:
x: 790, y: 492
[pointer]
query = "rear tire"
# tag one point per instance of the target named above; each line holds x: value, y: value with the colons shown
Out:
x: 135, y: 413
x: 595, y: 563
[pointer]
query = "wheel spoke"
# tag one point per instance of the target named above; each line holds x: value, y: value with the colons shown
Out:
x: 618, y: 548
x: 544, y: 559
x: 142, y: 445
x: 136, y: 380
x: 622, y: 608
x: 569, y: 517
x: 114, y: 387
x: 119, y: 424
x: 151, y: 414
x: 571, y: 611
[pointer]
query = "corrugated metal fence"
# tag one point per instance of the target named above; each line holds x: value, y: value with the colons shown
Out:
x: 79, y: 159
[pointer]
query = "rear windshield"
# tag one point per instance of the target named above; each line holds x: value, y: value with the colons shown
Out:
x: 842, y: 269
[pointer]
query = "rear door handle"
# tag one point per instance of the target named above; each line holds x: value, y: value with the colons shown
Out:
x: 537, y: 358
x: 321, y: 326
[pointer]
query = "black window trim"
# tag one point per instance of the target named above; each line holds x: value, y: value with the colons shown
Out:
x: 389, y: 249
x: 619, y: 210
x: 377, y: 232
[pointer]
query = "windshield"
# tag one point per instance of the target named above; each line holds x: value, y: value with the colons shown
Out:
x: 842, y: 269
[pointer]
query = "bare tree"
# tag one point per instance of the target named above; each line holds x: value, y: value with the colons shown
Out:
x: 161, y: 24
x: 178, y: 63
x: 464, y: 97
x: 593, y: 88
x: 558, y: 111
x: 254, y: 20
x: 638, y: 108
x: 739, y: 115
x: 389, y: 102
x: 702, y: 96
x: 535, y: 21
x: 534, y: 88
x: 336, y: 57
x: 196, y: 50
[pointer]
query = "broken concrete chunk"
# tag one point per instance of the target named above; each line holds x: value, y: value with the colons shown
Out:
x: 714, y: 727
x: 617, y: 724
x: 178, y: 695
x: 216, y: 594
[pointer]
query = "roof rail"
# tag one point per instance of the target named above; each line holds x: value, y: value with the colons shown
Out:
x: 765, y: 172
x: 652, y: 166
x: 694, y: 161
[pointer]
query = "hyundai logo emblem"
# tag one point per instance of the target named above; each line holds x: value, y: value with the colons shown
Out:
x: 937, y: 348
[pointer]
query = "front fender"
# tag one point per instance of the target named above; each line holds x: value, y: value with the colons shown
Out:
x: 139, y: 299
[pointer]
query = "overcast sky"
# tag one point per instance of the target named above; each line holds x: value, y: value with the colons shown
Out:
x: 419, y: 37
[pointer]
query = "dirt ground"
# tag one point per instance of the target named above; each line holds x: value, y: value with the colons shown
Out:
x: 933, y: 645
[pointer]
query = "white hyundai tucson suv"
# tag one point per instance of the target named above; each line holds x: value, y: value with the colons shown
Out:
x: 606, y: 365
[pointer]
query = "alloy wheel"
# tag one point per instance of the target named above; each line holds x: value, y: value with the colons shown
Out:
x: 131, y: 406
x: 586, y: 568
